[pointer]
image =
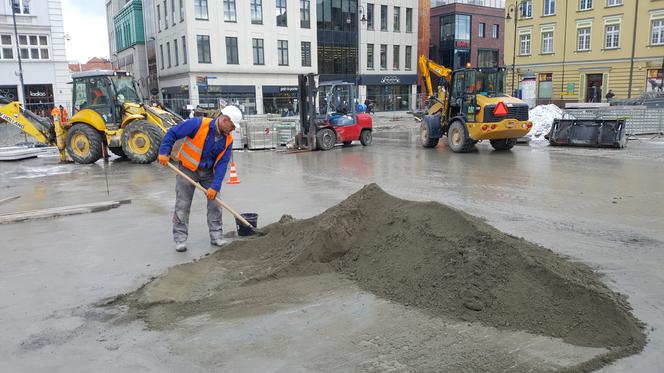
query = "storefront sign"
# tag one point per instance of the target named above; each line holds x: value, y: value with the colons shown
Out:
x: 287, y: 89
x: 390, y: 79
x: 461, y: 44
x: 37, y: 94
x: 201, y: 81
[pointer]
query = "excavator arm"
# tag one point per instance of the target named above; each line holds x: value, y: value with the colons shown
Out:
x: 25, y: 120
x: 428, y: 67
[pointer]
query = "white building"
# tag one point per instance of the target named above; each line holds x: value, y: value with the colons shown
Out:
x: 247, y: 52
x: 41, y: 46
x: 388, y: 53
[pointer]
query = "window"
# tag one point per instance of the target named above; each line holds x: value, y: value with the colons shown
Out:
x: 168, y: 53
x: 527, y: 9
x: 161, y: 55
x: 256, y: 12
x: 612, y: 36
x: 259, y: 51
x: 181, y: 10
x: 165, y: 16
x: 613, y: 2
x: 282, y: 46
x: 231, y: 51
x: 524, y: 49
x: 282, y: 19
x: 549, y: 7
x: 22, y: 7
x: 229, y: 11
x: 158, y: 18
x: 397, y: 19
x: 200, y: 10
x: 583, y: 37
x: 657, y: 32
x: 547, y: 42
x: 383, y: 57
x: 495, y: 31
x: 370, y: 56
x: 33, y: 47
x: 305, y: 14
x: 203, y: 44
x: 184, y: 51
x: 173, y: 12
x: 585, y: 4
x: 395, y: 57
x: 487, y: 58
x: 306, y: 53
x: 177, y: 53
x: 409, y: 19
x: 370, y: 16
x: 383, y: 18
x: 409, y: 57
x: 481, y: 29
x: 6, y: 50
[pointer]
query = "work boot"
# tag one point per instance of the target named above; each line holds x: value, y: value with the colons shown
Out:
x: 219, y: 241
x: 180, y: 247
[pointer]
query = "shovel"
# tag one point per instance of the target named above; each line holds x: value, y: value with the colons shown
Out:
x: 219, y: 201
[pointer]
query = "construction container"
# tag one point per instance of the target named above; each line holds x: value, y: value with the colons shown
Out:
x: 261, y: 136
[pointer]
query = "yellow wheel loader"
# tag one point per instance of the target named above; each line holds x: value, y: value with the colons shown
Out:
x: 469, y: 106
x: 108, y: 114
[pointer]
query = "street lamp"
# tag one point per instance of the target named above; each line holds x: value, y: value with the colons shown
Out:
x: 514, y: 8
x: 363, y: 21
x: 16, y: 8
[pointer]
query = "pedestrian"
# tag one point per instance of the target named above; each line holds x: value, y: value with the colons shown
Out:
x: 204, y: 157
x: 610, y: 95
x: 290, y: 109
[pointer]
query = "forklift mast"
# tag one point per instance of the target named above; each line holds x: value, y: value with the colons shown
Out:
x: 306, y: 137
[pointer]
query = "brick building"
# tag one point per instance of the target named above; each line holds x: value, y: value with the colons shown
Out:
x: 462, y: 32
x: 95, y: 63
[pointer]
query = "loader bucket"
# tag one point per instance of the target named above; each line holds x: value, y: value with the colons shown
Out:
x: 597, y: 133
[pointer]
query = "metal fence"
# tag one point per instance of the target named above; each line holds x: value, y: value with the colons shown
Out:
x: 639, y: 120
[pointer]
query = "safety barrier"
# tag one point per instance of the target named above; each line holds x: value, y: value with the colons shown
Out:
x: 639, y: 119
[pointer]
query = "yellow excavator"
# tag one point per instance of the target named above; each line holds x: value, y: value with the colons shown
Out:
x: 469, y: 105
x: 108, y: 114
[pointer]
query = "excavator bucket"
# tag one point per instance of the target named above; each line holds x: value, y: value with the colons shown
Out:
x: 587, y: 132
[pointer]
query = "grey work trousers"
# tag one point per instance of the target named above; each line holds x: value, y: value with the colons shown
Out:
x: 184, y: 192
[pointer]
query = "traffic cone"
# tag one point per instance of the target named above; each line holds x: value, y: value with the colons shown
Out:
x: 233, y: 179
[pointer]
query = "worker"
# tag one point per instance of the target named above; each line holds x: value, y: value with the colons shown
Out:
x: 56, y: 111
x: 63, y: 115
x: 99, y: 97
x: 204, y: 157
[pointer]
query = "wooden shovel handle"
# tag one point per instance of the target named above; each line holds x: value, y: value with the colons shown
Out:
x: 219, y: 201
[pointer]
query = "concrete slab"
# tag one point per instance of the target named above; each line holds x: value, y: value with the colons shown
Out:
x: 601, y: 207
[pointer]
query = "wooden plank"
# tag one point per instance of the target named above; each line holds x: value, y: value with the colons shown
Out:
x: 9, y: 199
x: 60, y: 211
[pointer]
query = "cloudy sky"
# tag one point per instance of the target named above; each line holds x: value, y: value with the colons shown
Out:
x: 85, y: 22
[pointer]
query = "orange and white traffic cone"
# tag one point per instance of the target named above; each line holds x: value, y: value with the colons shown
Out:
x: 233, y: 179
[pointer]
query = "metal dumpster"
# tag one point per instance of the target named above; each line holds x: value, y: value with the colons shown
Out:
x: 588, y: 132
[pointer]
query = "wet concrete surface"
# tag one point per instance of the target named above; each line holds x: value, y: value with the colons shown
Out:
x: 600, y: 206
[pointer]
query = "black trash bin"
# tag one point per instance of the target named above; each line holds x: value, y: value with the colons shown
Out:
x: 242, y: 229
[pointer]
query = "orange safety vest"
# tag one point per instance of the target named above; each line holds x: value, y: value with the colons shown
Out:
x: 192, y: 149
x: 65, y: 114
x: 56, y: 111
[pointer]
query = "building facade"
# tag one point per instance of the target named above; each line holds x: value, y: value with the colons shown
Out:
x: 578, y: 50
x: 464, y: 33
x: 41, y: 46
x: 248, y: 53
x: 387, y: 41
x: 127, y: 40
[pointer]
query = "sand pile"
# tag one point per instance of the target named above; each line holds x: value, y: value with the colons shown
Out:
x: 424, y: 255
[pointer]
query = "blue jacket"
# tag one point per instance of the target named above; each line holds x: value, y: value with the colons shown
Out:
x: 211, y: 149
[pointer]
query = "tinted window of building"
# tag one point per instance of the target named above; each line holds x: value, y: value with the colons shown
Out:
x: 305, y: 14
x: 409, y: 19
x: 229, y: 11
x: 383, y: 57
x: 282, y: 13
x: 200, y: 9
x: 397, y: 19
x: 256, y: 7
x: 306, y: 53
x: 231, y: 51
x: 203, y: 44
x: 370, y: 56
x: 337, y: 49
x: 282, y: 46
x: 258, y: 51
x: 370, y: 16
x: 409, y: 56
x: 487, y: 58
x: 462, y: 29
x: 482, y: 30
x: 383, y: 18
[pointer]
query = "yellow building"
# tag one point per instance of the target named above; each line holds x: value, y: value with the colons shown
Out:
x: 581, y: 49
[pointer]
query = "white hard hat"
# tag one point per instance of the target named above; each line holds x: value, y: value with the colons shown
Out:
x: 234, y: 113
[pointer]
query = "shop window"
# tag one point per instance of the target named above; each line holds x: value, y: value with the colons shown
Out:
x: 545, y: 85
x: 654, y: 80
x: 389, y: 97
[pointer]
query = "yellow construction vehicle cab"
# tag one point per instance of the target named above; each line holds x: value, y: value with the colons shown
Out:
x: 468, y: 106
x: 108, y: 112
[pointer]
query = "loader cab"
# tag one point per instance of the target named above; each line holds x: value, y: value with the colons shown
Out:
x: 468, y: 83
x: 105, y: 92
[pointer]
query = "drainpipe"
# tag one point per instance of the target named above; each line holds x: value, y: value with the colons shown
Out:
x: 631, y: 62
x: 562, y: 81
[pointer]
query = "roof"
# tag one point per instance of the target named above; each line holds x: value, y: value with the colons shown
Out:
x: 91, y: 73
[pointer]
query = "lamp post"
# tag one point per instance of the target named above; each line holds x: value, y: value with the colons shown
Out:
x: 514, y: 8
x: 363, y: 21
x: 16, y: 7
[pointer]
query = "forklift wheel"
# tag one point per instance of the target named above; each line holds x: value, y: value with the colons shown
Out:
x: 326, y: 138
x: 366, y: 137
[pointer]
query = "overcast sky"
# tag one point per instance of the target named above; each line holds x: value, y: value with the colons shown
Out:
x: 85, y: 22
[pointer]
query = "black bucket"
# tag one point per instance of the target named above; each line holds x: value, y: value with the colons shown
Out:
x: 242, y: 229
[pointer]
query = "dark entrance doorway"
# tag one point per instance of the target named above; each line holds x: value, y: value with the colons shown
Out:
x: 594, y: 83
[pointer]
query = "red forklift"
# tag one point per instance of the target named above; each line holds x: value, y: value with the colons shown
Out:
x: 329, y: 115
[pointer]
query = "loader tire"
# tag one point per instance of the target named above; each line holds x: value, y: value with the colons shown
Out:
x: 326, y: 138
x: 427, y: 140
x: 141, y: 140
x: 503, y: 144
x: 458, y: 139
x: 84, y: 143
x: 117, y: 150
